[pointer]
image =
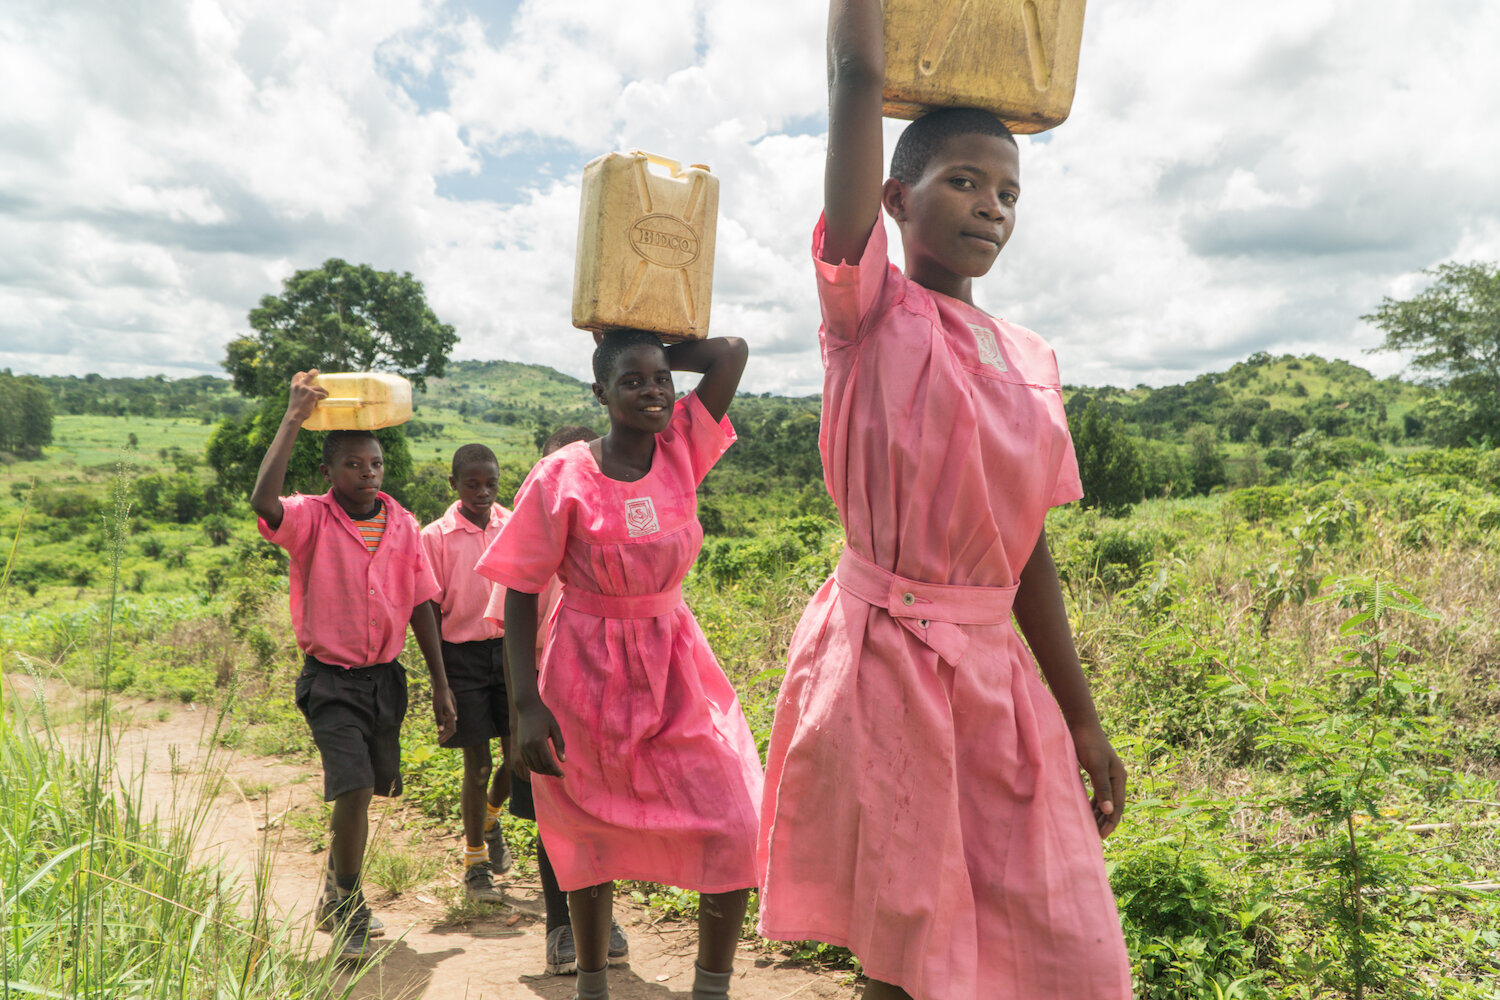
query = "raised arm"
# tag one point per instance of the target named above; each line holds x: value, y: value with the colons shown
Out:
x: 265, y: 499
x: 855, y: 170
x: 722, y: 362
x: 1044, y: 621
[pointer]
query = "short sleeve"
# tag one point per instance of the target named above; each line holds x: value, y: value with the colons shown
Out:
x: 424, y: 584
x: 847, y: 293
x: 298, y: 517
x: 530, y: 547
x: 494, y: 608
x: 1068, y: 486
x: 432, y: 547
x: 695, y: 430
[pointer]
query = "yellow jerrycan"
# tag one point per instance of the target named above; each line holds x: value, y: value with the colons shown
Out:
x: 1015, y: 58
x: 645, y: 246
x: 360, y: 401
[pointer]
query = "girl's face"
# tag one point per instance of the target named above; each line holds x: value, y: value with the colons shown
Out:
x: 960, y: 213
x: 640, y: 393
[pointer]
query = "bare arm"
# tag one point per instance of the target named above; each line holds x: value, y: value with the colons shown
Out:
x: 722, y: 362
x: 265, y: 499
x: 1044, y: 621
x: 854, y: 172
x: 424, y: 624
x: 536, y: 725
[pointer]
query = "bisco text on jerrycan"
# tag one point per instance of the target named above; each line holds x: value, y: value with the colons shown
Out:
x: 360, y: 401
x: 645, y: 246
x: 1015, y: 58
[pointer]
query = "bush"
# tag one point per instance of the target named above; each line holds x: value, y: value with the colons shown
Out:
x: 1188, y: 928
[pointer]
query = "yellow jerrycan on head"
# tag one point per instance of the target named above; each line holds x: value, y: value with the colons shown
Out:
x: 1017, y: 59
x: 360, y: 401
x: 645, y: 246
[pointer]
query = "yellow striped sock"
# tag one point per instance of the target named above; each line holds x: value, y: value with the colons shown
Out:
x: 491, y: 816
x: 474, y: 855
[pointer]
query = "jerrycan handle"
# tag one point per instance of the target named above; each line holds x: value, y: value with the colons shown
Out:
x: 340, y: 402
x: 661, y: 161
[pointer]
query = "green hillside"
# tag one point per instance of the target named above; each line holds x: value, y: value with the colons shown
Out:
x: 1268, y: 400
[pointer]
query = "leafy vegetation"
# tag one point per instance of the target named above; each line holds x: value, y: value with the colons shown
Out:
x: 27, y: 424
x: 1299, y: 663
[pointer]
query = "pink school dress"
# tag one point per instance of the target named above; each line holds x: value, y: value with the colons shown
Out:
x: 662, y: 780
x: 922, y: 805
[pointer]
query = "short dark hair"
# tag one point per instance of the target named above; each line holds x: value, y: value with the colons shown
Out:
x: 567, y: 435
x: 334, y: 441
x: 922, y: 139
x: 616, y: 343
x: 472, y: 454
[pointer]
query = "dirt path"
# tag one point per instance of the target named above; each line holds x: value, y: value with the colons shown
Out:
x: 497, y: 956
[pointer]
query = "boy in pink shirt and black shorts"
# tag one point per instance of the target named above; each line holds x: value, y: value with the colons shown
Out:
x: 474, y: 661
x: 358, y: 577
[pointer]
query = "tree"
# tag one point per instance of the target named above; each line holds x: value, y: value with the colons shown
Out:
x: 1454, y: 329
x: 339, y: 317
x: 25, y: 415
x: 1108, y: 462
x: 1205, y: 461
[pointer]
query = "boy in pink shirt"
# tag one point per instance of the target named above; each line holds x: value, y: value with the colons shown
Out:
x: 473, y: 659
x: 358, y: 577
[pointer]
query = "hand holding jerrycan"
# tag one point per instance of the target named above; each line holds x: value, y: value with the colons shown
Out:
x: 360, y: 401
x: 645, y: 246
x: 1017, y: 59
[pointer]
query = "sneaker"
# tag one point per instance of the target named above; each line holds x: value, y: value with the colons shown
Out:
x: 619, y: 948
x: 351, y: 941
x: 500, y: 859
x: 479, y: 884
x: 328, y: 917
x: 562, y: 959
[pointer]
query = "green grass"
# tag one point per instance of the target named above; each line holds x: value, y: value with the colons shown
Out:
x: 101, y: 898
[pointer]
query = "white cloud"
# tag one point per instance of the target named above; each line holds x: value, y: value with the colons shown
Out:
x: 1233, y: 178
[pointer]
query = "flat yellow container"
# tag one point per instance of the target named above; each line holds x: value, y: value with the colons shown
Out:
x: 1015, y: 58
x: 645, y: 246
x: 360, y: 401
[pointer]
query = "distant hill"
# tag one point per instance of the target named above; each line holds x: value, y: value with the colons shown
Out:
x: 1263, y: 399
x: 1269, y: 400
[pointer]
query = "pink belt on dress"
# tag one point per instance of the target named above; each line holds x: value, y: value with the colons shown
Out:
x: 622, y: 605
x: 930, y: 611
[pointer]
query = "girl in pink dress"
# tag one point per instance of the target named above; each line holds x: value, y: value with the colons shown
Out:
x: 642, y: 764
x: 923, y: 804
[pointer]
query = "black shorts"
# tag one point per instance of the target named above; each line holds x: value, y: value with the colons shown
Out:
x: 355, y: 716
x: 520, y: 798
x: 476, y: 676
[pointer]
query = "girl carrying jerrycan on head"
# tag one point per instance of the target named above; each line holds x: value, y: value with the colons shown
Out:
x: 922, y: 801
x: 642, y: 764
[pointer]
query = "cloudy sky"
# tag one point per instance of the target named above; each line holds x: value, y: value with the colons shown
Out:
x: 1234, y: 177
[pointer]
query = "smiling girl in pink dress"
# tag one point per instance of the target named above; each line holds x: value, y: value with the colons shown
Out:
x: 656, y: 776
x: 922, y: 802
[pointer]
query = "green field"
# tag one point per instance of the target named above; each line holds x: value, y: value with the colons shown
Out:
x: 1303, y: 673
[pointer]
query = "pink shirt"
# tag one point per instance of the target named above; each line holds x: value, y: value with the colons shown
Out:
x: 350, y: 606
x: 454, y: 544
x: 546, y: 603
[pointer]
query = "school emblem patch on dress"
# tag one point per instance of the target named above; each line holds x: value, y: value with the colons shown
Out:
x: 640, y: 517
x: 989, y: 347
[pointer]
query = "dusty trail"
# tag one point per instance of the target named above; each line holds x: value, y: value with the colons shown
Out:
x: 498, y: 956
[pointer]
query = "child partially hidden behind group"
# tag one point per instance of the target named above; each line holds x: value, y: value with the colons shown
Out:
x: 472, y: 657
